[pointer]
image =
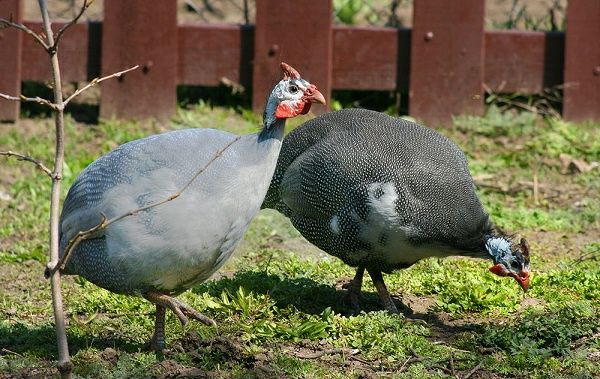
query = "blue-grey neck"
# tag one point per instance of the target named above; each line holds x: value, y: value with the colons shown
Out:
x: 274, y: 130
x: 498, y: 248
x: 273, y: 127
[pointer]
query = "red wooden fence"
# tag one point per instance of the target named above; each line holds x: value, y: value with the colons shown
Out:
x: 443, y: 63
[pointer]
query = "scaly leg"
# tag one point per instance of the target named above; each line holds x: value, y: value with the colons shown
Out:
x: 353, y: 294
x: 157, y: 343
x: 181, y: 310
x: 382, y: 290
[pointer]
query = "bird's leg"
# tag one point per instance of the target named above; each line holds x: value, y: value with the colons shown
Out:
x: 181, y: 310
x: 157, y: 343
x: 382, y: 290
x: 353, y: 293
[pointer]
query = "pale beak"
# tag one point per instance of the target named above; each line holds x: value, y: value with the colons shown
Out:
x: 523, y: 280
x: 316, y: 97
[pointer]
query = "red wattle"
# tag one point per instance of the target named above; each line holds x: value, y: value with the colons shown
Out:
x: 284, y: 110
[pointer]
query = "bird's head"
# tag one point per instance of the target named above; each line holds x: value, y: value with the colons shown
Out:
x: 510, y: 259
x: 291, y: 97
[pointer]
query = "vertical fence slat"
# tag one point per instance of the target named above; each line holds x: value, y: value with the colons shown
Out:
x: 447, y: 59
x: 137, y: 32
x: 297, y: 32
x: 10, y: 60
x: 582, y: 61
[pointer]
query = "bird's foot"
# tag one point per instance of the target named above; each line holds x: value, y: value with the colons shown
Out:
x: 353, y: 293
x: 384, y: 294
x: 183, y: 311
x: 179, y: 308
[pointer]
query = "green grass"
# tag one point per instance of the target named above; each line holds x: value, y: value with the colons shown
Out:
x: 279, y: 298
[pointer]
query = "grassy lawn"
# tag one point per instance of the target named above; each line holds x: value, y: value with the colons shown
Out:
x: 279, y: 300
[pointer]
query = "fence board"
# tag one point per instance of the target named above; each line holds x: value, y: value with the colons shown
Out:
x: 297, y: 32
x: 209, y: 52
x: 369, y: 58
x: 582, y: 61
x: 135, y: 33
x: 526, y: 62
x: 10, y: 60
x: 447, y: 59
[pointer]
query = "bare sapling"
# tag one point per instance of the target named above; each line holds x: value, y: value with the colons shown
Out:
x: 49, y: 41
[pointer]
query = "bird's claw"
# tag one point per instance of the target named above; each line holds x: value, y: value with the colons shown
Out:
x: 183, y: 311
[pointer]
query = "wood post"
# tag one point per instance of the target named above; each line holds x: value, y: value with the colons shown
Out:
x: 582, y: 61
x: 10, y: 60
x: 446, y: 59
x: 297, y: 32
x: 143, y: 33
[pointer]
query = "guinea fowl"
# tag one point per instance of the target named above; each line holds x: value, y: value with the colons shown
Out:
x: 166, y: 249
x: 382, y: 193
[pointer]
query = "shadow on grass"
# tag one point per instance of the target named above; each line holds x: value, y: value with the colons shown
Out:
x: 305, y: 294
x: 312, y: 297
x: 40, y: 341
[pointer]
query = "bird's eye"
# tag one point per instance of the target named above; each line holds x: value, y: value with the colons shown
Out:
x: 515, y: 265
x: 293, y: 89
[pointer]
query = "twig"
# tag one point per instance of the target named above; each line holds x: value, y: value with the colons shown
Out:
x: 592, y: 255
x: 5, y: 350
x: 27, y: 158
x: 65, y: 366
x: 104, y: 223
x: 536, y: 191
x: 409, y: 361
x: 58, y: 35
x: 444, y: 369
x: 321, y: 353
x: 473, y: 371
x: 73, y: 243
x: 26, y: 99
x: 9, y: 23
x: 96, y: 81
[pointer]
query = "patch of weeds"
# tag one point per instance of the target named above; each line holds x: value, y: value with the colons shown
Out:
x: 496, y: 123
x: 460, y: 286
x: 294, y: 367
x: 570, y: 282
x: 536, y: 336
x: 380, y: 335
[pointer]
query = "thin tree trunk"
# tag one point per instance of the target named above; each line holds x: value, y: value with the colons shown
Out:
x: 64, y: 363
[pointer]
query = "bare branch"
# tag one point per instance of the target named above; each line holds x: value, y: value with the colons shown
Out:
x: 104, y: 223
x: 27, y: 158
x: 86, y: 4
x: 26, y: 99
x: 321, y: 353
x: 95, y: 81
x: 470, y: 373
x: 9, y: 23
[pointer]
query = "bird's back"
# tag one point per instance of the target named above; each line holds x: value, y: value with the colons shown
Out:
x: 352, y: 180
x: 184, y: 240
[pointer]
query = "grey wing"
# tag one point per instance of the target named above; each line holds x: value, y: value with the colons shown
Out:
x: 84, y: 204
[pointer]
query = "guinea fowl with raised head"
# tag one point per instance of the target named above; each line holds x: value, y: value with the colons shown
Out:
x: 382, y: 193
x: 164, y: 250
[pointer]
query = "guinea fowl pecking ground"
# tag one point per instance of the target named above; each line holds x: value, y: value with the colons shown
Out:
x: 382, y: 193
x: 288, y: 284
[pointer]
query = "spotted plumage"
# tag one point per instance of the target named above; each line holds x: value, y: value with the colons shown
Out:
x: 380, y: 192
